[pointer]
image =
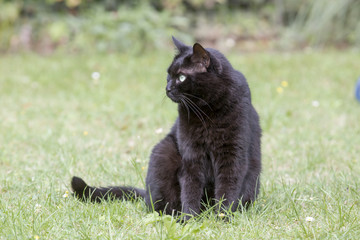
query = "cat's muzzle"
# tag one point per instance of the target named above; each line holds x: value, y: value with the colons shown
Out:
x: 172, y: 94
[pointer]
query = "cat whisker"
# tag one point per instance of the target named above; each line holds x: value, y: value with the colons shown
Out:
x: 197, y: 107
x: 195, y: 110
x: 187, y: 108
x: 190, y: 95
x: 163, y: 99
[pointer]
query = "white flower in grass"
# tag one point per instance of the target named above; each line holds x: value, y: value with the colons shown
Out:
x: 230, y: 42
x: 66, y: 194
x: 131, y: 143
x: 37, y: 208
x: 315, y: 103
x: 95, y: 75
x: 309, y: 219
x: 159, y: 131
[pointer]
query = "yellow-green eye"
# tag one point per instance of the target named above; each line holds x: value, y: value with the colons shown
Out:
x: 182, y: 78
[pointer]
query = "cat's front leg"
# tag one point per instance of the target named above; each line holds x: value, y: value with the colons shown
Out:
x: 230, y: 175
x: 192, y: 182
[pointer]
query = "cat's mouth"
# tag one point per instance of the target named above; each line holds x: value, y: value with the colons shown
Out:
x: 174, y: 97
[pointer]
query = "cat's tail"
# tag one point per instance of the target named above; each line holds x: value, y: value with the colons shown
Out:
x: 96, y: 194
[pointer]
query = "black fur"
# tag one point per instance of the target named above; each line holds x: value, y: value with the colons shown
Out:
x: 213, y: 150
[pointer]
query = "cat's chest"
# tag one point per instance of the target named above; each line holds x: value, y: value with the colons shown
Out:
x: 202, y: 141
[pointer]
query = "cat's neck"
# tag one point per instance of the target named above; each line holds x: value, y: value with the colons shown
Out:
x: 195, y: 114
x: 207, y: 113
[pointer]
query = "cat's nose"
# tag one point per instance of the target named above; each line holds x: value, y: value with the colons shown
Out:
x: 168, y: 88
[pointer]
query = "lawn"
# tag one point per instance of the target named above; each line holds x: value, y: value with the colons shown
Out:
x: 58, y: 121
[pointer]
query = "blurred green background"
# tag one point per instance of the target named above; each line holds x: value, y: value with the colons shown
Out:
x: 136, y: 26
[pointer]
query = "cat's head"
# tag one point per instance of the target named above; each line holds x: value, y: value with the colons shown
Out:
x: 196, y: 74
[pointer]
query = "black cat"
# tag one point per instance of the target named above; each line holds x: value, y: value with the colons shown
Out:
x: 212, y: 152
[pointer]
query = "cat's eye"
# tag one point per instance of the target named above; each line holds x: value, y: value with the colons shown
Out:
x: 182, y: 78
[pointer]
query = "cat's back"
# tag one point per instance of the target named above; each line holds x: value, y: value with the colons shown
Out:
x: 230, y: 73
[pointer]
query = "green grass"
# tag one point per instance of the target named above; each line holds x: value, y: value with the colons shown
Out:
x: 56, y: 122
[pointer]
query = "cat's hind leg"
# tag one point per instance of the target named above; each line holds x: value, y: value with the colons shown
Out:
x: 162, y: 185
x: 251, y: 185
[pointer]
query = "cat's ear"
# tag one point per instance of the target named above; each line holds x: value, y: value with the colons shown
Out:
x: 179, y: 45
x: 200, y: 55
